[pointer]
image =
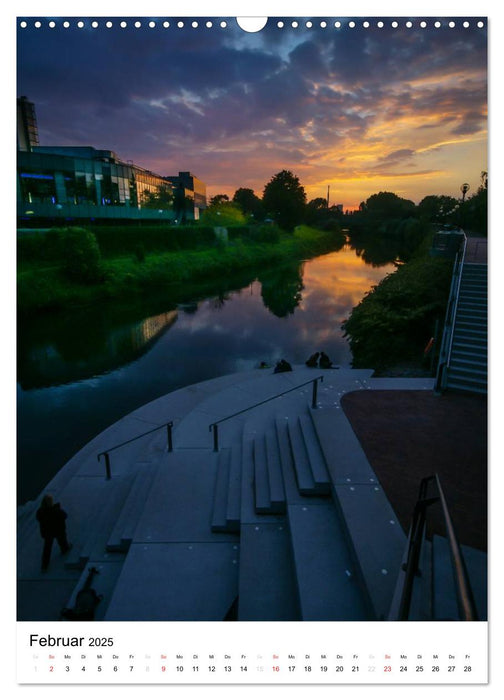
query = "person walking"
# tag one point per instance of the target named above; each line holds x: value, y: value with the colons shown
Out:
x: 51, y: 518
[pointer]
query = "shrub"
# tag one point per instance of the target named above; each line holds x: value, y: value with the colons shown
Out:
x: 82, y: 257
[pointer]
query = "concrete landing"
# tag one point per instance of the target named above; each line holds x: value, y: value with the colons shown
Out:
x: 176, y: 581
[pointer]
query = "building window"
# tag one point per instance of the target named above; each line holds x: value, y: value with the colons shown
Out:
x: 38, y: 187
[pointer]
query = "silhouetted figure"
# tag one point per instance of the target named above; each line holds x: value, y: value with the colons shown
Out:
x: 324, y: 361
x: 51, y: 518
x: 263, y: 365
x: 86, y: 601
x: 312, y: 361
x: 282, y: 366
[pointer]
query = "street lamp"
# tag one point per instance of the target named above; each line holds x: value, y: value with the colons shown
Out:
x: 464, y: 189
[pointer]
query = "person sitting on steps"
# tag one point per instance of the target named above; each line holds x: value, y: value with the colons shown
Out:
x: 312, y: 361
x: 325, y: 362
x: 282, y: 366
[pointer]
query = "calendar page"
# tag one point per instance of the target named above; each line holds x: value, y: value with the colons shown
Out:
x: 252, y: 347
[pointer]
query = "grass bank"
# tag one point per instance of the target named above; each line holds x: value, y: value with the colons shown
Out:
x: 44, y: 283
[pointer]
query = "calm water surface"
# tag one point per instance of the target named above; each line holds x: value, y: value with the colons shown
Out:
x: 79, y: 373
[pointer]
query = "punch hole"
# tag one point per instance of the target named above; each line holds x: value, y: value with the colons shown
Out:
x: 252, y: 24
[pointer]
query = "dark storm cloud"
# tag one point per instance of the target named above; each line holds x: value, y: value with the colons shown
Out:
x: 164, y: 96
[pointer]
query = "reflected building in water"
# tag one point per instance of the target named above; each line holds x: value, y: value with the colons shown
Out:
x: 64, y: 360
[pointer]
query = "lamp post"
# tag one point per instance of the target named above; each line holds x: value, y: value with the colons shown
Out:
x: 464, y: 189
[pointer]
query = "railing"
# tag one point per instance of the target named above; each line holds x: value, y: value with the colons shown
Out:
x: 215, y: 426
x: 451, y: 312
x: 105, y: 453
x: 416, y: 538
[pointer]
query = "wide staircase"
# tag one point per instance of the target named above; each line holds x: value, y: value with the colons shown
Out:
x: 463, y: 356
x: 284, y: 520
x: 467, y: 370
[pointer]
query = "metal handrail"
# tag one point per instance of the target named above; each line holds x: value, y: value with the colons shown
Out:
x: 465, y: 600
x: 451, y: 312
x: 467, y: 608
x: 214, y: 426
x: 105, y: 453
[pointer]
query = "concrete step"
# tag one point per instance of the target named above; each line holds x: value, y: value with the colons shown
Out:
x: 471, y: 358
x: 102, y: 516
x: 377, y: 541
x: 376, y: 537
x: 472, y: 349
x: 261, y: 478
x: 472, y: 303
x: 301, y: 462
x: 103, y: 583
x: 122, y: 533
x: 444, y: 592
x: 464, y: 369
x: 471, y: 338
x: 479, y: 319
x: 475, y: 331
x: 328, y: 586
x: 472, y: 320
x: 248, y: 513
x: 220, y: 499
x: 275, y: 478
x: 267, y: 580
x: 247, y: 501
x: 315, y: 455
x: 462, y: 383
x: 234, y: 489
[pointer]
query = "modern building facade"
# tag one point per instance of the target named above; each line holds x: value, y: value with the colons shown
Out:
x: 76, y: 183
x: 27, y: 130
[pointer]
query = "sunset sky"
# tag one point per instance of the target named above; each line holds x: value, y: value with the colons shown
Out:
x: 360, y: 109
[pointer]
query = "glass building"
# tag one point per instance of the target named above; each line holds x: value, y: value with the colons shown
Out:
x: 76, y: 183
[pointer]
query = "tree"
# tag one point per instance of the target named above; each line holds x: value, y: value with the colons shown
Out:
x: 224, y: 214
x: 436, y: 208
x: 249, y: 203
x: 284, y: 200
x: 387, y: 205
x: 218, y: 199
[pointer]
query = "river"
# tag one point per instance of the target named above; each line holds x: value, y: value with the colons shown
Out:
x: 81, y: 371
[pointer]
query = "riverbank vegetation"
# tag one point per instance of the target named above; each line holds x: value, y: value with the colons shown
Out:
x: 68, y: 267
x: 394, y: 322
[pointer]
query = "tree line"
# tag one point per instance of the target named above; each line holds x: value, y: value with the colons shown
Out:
x: 284, y: 202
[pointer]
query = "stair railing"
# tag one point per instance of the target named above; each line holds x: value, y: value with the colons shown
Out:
x: 416, y: 539
x: 215, y: 426
x: 451, y: 313
x: 105, y: 453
